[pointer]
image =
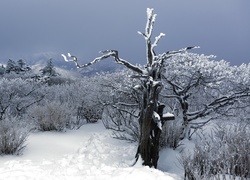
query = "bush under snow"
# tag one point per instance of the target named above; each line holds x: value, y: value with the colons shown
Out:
x: 51, y: 116
x: 13, y: 135
x: 224, y: 153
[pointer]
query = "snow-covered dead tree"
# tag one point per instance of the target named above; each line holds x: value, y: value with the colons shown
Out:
x: 151, y: 110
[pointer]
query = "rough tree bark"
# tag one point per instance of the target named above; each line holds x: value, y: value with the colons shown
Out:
x: 148, y: 91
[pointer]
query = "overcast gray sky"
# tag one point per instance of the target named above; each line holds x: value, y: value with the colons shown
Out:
x: 84, y: 27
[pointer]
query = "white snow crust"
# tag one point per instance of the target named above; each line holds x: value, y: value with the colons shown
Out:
x: 168, y: 114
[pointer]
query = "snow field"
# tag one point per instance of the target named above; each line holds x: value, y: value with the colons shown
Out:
x: 89, y: 153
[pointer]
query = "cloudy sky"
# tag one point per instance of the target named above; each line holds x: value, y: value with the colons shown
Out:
x: 84, y: 27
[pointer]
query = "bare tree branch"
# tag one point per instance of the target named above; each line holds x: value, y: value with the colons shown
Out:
x: 157, y: 39
x: 107, y: 54
x: 147, y: 36
x: 150, y: 22
x: 75, y: 60
x: 216, y: 105
x: 169, y: 54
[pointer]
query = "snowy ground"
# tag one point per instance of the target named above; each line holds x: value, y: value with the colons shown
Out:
x: 88, y: 153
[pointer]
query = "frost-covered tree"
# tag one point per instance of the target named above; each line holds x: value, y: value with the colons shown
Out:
x: 16, y: 95
x: 17, y: 68
x: 23, y: 66
x: 203, y: 87
x: 151, y: 110
x: 21, y: 63
x: 10, y: 66
x: 2, y: 70
x: 49, y: 69
x: 120, y: 104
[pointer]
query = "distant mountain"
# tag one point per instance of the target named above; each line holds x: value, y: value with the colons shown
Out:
x: 42, y: 58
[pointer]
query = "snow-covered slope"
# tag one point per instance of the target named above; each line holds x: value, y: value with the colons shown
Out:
x: 88, y: 153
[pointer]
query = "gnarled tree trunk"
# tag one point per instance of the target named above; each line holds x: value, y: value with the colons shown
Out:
x: 150, y: 131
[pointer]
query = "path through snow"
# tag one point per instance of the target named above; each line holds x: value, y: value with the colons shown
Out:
x: 89, y: 153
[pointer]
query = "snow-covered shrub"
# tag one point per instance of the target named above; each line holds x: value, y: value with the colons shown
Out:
x: 13, y: 135
x: 226, y: 152
x: 91, y: 113
x: 120, y: 106
x: 51, y: 116
x: 123, y: 123
x: 58, y: 80
x: 17, y: 95
x: 171, y: 133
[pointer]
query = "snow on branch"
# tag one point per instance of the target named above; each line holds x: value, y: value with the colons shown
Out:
x: 141, y: 33
x: 75, y: 60
x: 217, y: 104
x: 107, y: 54
x: 157, y: 40
x: 147, y: 35
x: 157, y: 119
x: 169, y: 54
x: 181, y: 50
x: 150, y: 22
